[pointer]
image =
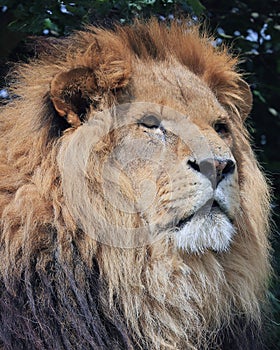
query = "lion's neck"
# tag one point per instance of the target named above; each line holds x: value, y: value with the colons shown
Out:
x: 168, y: 298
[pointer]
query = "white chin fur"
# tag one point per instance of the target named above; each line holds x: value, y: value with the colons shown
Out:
x: 212, y: 231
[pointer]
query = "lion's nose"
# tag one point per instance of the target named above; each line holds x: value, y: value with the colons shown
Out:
x: 214, y: 169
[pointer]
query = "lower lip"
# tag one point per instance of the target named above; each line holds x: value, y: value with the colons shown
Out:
x: 183, y: 222
x: 206, y: 208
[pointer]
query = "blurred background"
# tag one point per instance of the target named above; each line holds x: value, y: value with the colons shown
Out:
x: 251, y: 28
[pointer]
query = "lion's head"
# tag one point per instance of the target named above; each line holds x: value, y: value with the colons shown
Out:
x: 134, y: 214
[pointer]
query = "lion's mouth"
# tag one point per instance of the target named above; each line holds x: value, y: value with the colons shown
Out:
x: 184, y: 221
x: 209, y: 208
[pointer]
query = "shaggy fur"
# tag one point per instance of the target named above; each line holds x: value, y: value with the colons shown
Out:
x: 61, y: 289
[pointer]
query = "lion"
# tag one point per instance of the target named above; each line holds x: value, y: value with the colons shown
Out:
x: 134, y: 214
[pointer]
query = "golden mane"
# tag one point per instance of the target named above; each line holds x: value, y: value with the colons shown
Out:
x: 60, y: 289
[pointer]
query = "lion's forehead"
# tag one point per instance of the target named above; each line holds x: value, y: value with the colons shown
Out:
x: 173, y: 85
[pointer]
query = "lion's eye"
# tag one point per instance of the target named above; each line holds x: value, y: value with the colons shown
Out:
x: 150, y: 121
x: 221, y: 128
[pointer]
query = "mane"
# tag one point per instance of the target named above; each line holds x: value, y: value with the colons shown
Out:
x: 190, y: 46
x: 61, y: 289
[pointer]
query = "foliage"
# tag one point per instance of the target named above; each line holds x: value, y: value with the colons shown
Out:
x: 60, y: 17
x: 251, y: 27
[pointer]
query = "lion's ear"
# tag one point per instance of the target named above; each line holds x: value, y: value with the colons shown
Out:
x: 103, y: 67
x: 70, y: 93
x: 246, y: 99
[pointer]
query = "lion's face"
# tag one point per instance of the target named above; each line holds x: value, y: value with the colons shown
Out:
x: 163, y: 167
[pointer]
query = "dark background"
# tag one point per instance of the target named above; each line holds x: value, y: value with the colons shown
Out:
x: 251, y: 28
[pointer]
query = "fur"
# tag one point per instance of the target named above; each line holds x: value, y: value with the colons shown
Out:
x: 62, y: 289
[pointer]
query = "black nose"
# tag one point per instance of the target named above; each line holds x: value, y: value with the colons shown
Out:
x: 214, y: 169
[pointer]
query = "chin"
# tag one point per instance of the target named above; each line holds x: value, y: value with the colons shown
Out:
x: 205, y: 231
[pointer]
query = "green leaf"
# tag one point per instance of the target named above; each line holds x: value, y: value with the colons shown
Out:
x: 273, y: 111
x: 197, y: 7
x: 259, y: 95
